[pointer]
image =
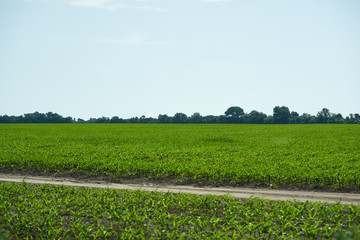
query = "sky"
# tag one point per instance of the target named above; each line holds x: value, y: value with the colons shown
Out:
x: 127, y: 58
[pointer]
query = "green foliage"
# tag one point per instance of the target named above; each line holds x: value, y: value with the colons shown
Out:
x: 53, y: 212
x: 323, y: 116
x: 299, y: 156
x: 4, y: 235
x: 350, y: 234
x: 281, y: 114
x: 234, y: 114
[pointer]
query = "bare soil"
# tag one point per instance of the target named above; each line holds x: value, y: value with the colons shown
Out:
x: 236, y: 192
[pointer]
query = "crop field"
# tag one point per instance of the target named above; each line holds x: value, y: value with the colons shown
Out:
x: 59, y: 212
x: 324, y: 157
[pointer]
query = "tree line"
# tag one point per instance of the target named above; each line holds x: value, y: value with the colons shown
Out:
x: 36, y: 117
x: 234, y: 114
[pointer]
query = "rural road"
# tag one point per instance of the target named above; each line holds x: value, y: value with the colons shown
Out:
x: 241, y: 193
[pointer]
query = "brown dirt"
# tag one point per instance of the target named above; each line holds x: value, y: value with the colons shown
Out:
x: 236, y: 192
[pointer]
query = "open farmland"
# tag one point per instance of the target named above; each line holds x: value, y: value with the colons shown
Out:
x: 325, y: 157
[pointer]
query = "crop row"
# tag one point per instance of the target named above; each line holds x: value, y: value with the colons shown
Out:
x: 300, y: 156
x: 54, y: 212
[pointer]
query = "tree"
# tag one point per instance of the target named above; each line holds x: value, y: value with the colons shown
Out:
x: 269, y: 119
x: 163, y: 118
x: 195, y: 118
x: 80, y: 120
x: 142, y: 119
x: 133, y: 120
x: 210, y: 119
x: 180, y: 118
x: 67, y: 120
x: 353, y: 118
x: 19, y: 119
x: 53, y: 117
x: 35, y: 117
x: 256, y: 117
x: 234, y: 114
x: 5, y: 119
x: 323, y: 116
x: 116, y: 119
x: 102, y: 120
x: 336, y: 118
x: 294, y: 117
x: 305, y: 118
x: 357, y: 118
x: 281, y: 115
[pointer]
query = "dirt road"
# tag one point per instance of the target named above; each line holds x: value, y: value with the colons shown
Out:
x: 282, y: 195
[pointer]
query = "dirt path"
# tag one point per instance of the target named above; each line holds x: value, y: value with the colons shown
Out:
x: 282, y: 195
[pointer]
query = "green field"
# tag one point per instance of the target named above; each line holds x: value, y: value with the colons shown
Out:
x: 59, y: 212
x: 323, y: 157
x: 292, y: 156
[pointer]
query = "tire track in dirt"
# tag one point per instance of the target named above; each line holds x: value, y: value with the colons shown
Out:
x: 240, y: 193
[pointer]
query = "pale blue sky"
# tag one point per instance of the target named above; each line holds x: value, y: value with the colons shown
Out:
x: 126, y: 58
